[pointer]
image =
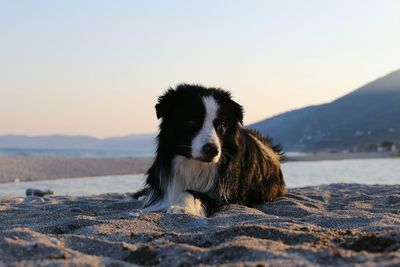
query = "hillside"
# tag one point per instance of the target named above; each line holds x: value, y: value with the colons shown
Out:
x: 366, y: 116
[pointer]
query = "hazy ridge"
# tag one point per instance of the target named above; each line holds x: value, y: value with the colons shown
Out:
x: 360, y: 119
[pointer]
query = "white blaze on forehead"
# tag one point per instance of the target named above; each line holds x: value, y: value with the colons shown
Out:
x: 211, y: 107
x: 207, y: 133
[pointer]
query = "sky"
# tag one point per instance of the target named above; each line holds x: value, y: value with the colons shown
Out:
x: 97, y: 67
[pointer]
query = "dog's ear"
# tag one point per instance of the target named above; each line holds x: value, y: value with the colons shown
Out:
x: 237, y: 111
x: 165, y: 103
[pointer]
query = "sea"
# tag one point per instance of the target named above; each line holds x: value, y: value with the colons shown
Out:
x: 76, y: 153
x: 297, y: 174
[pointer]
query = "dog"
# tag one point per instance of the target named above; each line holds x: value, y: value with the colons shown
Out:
x: 206, y: 158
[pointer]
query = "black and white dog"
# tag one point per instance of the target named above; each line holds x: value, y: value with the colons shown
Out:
x: 206, y: 158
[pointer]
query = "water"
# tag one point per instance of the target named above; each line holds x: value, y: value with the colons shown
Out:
x: 74, y: 153
x: 79, y: 186
x: 363, y: 171
x: 297, y: 174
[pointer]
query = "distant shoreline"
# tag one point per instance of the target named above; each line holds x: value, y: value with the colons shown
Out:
x: 35, y: 168
x: 319, y: 156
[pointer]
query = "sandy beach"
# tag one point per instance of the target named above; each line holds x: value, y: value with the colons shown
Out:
x: 35, y: 168
x: 340, y: 225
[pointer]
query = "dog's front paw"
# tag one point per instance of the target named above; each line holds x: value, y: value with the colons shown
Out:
x: 187, y: 204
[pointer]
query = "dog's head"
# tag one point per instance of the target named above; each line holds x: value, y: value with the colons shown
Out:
x: 197, y: 122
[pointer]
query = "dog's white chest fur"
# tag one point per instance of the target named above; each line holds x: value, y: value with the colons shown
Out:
x: 189, y: 174
x: 186, y: 174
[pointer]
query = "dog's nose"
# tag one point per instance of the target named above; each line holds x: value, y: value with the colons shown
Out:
x: 210, y: 150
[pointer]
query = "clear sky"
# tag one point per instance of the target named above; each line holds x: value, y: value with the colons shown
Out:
x: 97, y: 67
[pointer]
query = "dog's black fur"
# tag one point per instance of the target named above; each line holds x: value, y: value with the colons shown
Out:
x: 248, y: 171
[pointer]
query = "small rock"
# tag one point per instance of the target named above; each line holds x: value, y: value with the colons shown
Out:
x: 38, y: 192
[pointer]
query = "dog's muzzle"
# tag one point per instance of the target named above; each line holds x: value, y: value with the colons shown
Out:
x: 209, y: 152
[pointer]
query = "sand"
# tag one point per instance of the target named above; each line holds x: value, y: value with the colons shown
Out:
x: 34, y: 168
x: 339, y: 224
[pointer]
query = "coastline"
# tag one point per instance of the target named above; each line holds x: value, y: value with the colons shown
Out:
x: 320, y: 156
x: 36, y: 168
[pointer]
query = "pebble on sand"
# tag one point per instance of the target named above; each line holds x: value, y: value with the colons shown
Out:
x: 38, y: 192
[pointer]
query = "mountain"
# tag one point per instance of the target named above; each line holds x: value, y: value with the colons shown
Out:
x: 364, y: 117
x: 135, y: 143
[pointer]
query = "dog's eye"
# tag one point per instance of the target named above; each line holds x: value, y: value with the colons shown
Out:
x: 220, y: 126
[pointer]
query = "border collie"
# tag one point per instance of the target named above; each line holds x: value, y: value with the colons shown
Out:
x: 205, y: 157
